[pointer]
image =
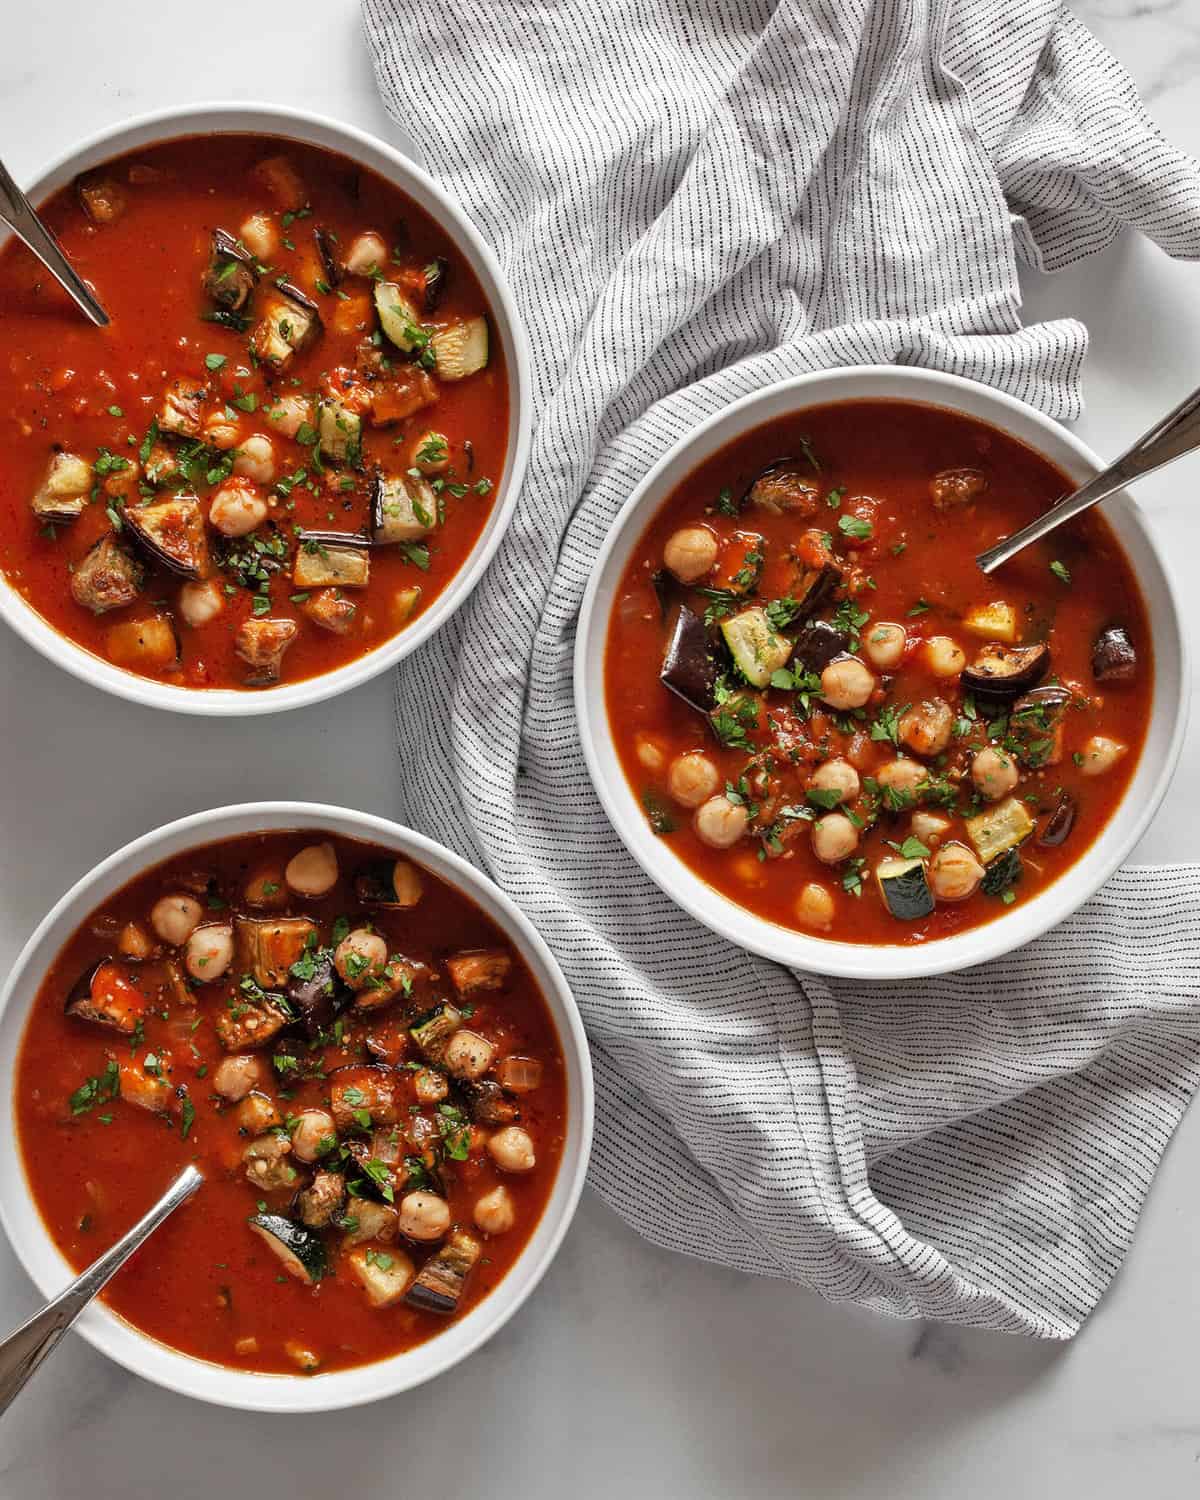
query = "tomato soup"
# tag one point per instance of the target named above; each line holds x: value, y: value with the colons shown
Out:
x: 286, y: 443
x: 353, y: 1055
x: 833, y: 717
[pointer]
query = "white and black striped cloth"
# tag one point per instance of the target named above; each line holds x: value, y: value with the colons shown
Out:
x: 693, y: 198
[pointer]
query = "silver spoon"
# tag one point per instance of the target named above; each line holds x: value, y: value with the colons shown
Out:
x: 1178, y: 433
x: 18, y: 213
x: 23, y: 1351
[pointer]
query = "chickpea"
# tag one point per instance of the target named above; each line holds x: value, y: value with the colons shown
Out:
x: 133, y: 943
x: 814, y: 906
x: 719, y: 823
x: 1101, y: 754
x: 423, y: 1216
x: 926, y: 726
x: 200, y: 602
x: 994, y: 773
x: 360, y: 956
x: 954, y: 872
x: 289, y: 414
x: 468, y: 1055
x: 512, y: 1150
x: 837, y: 776
x: 255, y: 459
x: 313, y: 871
x: 312, y: 1129
x: 649, y: 753
x: 902, y: 777
x: 943, y: 657
x: 690, y: 553
x: 368, y: 252
x: 693, y: 778
x: 883, y: 644
x: 221, y: 433
x: 431, y: 453
x: 237, y: 508
x: 846, y: 683
x: 834, y: 838
x: 209, y: 952
x: 929, y: 827
x: 175, y: 918
x: 260, y: 236
x: 494, y: 1212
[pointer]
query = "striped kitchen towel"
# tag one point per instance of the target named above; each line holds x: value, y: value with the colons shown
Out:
x: 693, y: 198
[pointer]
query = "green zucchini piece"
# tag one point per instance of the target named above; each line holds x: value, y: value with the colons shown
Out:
x: 999, y: 828
x: 301, y: 1252
x: 904, y: 888
x: 1002, y: 873
x: 398, y: 318
x: 434, y: 1029
x: 757, y: 650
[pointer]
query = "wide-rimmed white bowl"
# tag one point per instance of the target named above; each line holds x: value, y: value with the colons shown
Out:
x: 1029, y: 917
x: 292, y: 1393
x: 273, y: 120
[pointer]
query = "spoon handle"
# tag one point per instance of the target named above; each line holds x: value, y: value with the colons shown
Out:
x: 18, y: 213
x: 23, y: 1351
x: 1178, y: 433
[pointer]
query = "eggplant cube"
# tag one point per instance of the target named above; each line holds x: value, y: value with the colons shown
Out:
x: 64, y: 491
x: 321, y: 564
x: 182, y: 408
x: 261, y: 643
x: 339, y: 431
x: 269, y: 946
x: 689, y: 668
x: 290, y: 322
x: 484, y: 969
x: 331, y: 612
x: 403, y: 509
x: 108, y: 577
x: 106, y: 996
x: 172, y: 532
x: 443, y: 1277
x: 385, y: 1275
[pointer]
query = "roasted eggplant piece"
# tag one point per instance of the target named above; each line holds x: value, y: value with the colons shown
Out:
x: 953, y: 487
x: 269, y: 946
x: 1000, y: 673
x: 487, y: 1103
x: 482, y: 969
x: 64, y: 491
x: 406, y: 391
x: 904, y: 886
x: 326, y: 244
x: 385, y: 1275
x: 689, y: 667
x: 251, y: 1021
x: 403, y: 509
x: 1056, y: 827
x: 740, y: 563
x: 299, y: 1250
x: 181, y: 413
x: 1035, y: 725
x: 817, y: 643
x: 100, y: 198
x: 290, y: 322
x: 437, y: 277
x: 105, y: 994
x: 331, y: 612
x: 339, y: 431
x: 1114, y: 658
x: 460, y: 349
x: 388, y: 882
x: 107, y: 577
x: 320, y: 996
x: 442, y: 1279
x: 149, y: 644
x: 782, y: 489
x: 172, y: 532
x: 433, y: 1031
x: 1003, y: 873
x: 360, y: 1091
x: 261, y: 642
x: 322, y: 1200
x: 332, y: 559
x: 231, y: 273
x: 817, y: 586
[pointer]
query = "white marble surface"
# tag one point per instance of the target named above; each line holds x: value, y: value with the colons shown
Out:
x: 633, y: 1371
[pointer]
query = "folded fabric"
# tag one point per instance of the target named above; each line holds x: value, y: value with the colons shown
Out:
x: 691, y: 199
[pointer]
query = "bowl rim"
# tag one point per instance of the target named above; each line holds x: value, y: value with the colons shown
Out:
x: 791, y: 947
x: 313, y: 128
x: 225, y: 1385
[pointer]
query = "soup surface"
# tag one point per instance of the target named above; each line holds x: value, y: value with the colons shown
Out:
x: 833, y: 717
x: 286, y: 443
x: 349, y: 1050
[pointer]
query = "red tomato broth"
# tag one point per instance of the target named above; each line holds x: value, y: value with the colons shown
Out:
x: 59, y: 377
x: 888, y: 450
x: 204, y: 1280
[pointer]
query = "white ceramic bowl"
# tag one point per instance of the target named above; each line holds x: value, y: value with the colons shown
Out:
x: 1029, y: 917
x: 293, y: 1393
x: 263, y: 119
